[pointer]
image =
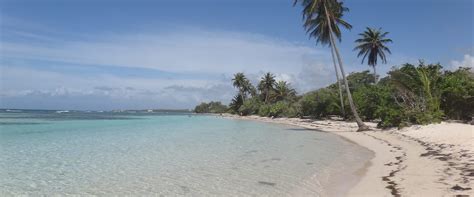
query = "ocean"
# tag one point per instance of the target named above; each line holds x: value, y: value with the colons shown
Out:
x: 169, y: 154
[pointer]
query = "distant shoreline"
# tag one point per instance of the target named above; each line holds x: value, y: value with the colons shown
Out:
x: 83, y: 110
x: 432, y: 160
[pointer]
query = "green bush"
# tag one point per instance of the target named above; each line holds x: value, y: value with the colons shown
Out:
x: 369, y: 99
x: 211, y: 107
x: 292, y: 110
x: 264, y: 110
x: 390, y: 117
x: 202, y: 108
x: 250, y: 106
x: 278, y: 108
x: 417, y: 90
x: 235, y: 104
x: 457, y: 97
x: 320, y: 103
x: 410, y: 94
x: 360, y: 79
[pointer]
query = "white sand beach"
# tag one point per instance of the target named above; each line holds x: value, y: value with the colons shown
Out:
x: 431, y: 160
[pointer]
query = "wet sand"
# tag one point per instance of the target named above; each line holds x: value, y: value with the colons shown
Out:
x: 431, y: 160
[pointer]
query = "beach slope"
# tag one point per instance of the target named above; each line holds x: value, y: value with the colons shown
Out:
x: 432, y: 160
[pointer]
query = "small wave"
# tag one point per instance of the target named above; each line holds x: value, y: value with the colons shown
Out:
x: 20, y: 123
x: 12, y: 110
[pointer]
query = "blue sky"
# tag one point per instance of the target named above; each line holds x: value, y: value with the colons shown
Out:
x: 173, y: 54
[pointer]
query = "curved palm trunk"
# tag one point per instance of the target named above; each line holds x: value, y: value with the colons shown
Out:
x: 360, y: 124
x: 339, y: 85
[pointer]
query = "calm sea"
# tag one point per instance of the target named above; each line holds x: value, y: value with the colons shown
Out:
x: 168, y: 154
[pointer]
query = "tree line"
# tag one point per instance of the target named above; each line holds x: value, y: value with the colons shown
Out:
x: 410, y: 94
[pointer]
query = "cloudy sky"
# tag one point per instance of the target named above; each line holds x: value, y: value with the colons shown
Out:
x: 124, y: 54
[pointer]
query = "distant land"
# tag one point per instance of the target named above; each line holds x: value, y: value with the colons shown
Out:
x: 116, y: 110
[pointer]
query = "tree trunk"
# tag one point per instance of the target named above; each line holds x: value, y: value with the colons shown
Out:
x: 339, y: 85
x: 360, y: 124
x: 266, y: 96
x: 375, y: 75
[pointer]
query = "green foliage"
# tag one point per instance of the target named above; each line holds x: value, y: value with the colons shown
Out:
x: 264, y: 110
x: 369, y: 99
x: 410, y: 94
x: 275, y: 99
x: 320, y: 103
x: 284, y: 92
x: 292, y: 110
x: 390, y: 116
x: 250, y: 106
x: 357, y: 80
x: 202, y: 108
x: 457, y: 97
x: 316, y: 20
x: 278, y: 109
x: 211, y: 107
x: 417, y: 92
x: 372, y: 45
x: 243, y: 85
x: 235, y: 104
x: 379, y: 103
x: 267, y: 86
x: 414, y: 95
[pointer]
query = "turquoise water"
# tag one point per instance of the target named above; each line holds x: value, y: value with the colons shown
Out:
x: 168, y: 154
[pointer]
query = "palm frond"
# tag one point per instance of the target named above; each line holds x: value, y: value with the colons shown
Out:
x: 316, y: 20
x: 372, y: 44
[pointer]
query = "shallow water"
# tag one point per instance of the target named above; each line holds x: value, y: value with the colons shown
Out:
x: 168, y: 154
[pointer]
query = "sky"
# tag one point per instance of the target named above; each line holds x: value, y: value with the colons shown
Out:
x: 144, y: 54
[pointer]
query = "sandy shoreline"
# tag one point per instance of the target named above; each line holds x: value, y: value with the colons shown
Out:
x: 432, y: 160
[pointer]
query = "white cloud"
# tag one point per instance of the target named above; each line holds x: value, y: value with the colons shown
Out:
x: 26, y: 87
x: 468, y: 61
x: 192, y: 52
x: 183, y: 51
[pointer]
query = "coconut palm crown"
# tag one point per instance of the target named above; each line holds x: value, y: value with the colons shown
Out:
x: 284, y: 91
x: 318, y: 27
x: 372, y: 45
x: 266, y: 85
x: 242, y: 84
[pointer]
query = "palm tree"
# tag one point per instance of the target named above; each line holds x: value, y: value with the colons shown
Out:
x: 326, y: 16
x: 372, y: 45
x: 283, y: 91
x: 318, y: 28
x: 266, y: 85
x: 251, y: 89
x: 241, y: 82
x: 236, y: 103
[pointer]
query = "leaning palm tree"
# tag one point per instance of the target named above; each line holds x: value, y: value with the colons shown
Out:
x: 372, y: 45
x: 266, y: 85
x: 318, y: 28
x: 325, y: 16
x: 241, y: 82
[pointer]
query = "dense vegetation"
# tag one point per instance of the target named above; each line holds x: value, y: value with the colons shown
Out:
x: 409, y: 94
x: 211, y: 107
